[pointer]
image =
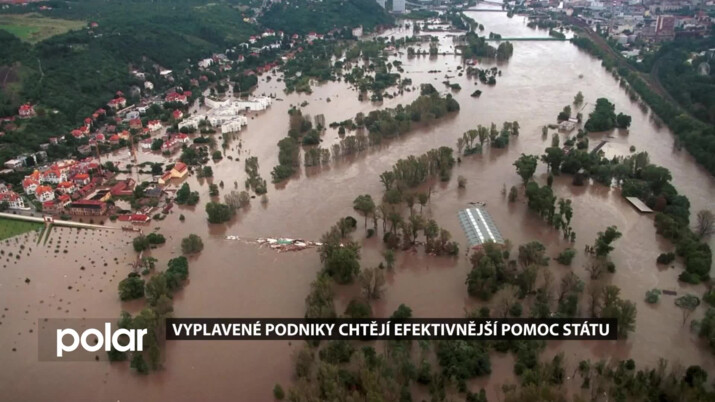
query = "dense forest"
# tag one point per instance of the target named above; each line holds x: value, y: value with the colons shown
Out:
x: 78, y: 72
x: 304, y: 16
x: 690, y: 80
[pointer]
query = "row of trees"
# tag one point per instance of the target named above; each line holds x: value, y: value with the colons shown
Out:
x: 159, y: 290
x: 380, y: 124
x: 466, y: 144
x: 415, y: 170
x: 254, y: 181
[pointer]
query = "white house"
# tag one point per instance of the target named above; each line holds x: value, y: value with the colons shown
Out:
x: 205, y: 63
x: 154, y: 125
x: 44, y: 193
x: 54, y: 176
x: 14, y: 200
x: 30, y: 185
x: 145, y: 145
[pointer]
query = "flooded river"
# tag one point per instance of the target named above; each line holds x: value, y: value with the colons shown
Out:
x: 233, y: 279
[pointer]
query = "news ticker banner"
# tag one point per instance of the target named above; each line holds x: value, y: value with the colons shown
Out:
x: 386, y: 329
x: 94, y: 339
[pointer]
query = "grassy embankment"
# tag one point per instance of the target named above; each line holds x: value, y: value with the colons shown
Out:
x: 11, y: 227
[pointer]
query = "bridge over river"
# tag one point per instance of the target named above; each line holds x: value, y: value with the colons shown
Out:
x: 527, y: 38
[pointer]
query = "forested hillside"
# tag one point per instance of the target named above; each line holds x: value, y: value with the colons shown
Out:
x: 303, y: 16
x: 78, y: 71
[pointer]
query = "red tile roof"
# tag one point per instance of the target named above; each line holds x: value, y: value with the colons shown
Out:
x: 180, y: 166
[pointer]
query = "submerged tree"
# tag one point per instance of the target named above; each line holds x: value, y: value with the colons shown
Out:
x: 365, y: 205
x: 526, y: 166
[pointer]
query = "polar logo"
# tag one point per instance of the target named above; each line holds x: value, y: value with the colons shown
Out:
x: 108, y: 340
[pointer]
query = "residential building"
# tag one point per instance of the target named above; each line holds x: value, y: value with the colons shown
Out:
x: 44, y: 193
x: 135, y: 124
x: 123, y: 188
x: 54, y: 176
x: 154, y: 125
x: 176, y: 97
x: 145, y: 144
x: 117, y: 103
x: 66, y: 187
x: 88, y: 207
x: 179, y: 171
x: 13, y: 199
x: 15, y: 163
x: 26, y: 110
x: 81, y: 179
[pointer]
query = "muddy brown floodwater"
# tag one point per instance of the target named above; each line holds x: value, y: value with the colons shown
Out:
x: 233, y: 279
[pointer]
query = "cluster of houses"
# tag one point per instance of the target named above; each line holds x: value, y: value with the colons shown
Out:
x: 631, y: 21
x: 75, y: 187
x: 56, y: 186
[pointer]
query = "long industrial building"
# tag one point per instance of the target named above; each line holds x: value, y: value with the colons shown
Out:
x: 479, y: 227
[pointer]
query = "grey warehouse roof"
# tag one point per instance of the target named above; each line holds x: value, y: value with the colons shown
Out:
x: 479, y: 226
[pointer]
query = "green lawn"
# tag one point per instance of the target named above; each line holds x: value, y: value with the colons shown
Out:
x: 34, y: 27
x: 11, y: 227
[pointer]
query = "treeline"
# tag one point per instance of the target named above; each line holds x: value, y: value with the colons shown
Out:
x: 78, y: 72
x: 637, y: 177
x: 467, y: 143
x: 380, y: 125
x: 403, y: 231
x: 390, y: 123
x: 254, y: 181
x: 478, y: 47
x: 681, y: 71
x: 603, y: 117
x: 300, y: 129
x: 698, y: 138
x: 414, y: 170
x: 336, y: 370
x: 615, y: 379
x: 305, y: 16
x: 314, y: 62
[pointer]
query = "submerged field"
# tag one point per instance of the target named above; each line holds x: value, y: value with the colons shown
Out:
x: 11, y: 227
x: 35, y: 28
